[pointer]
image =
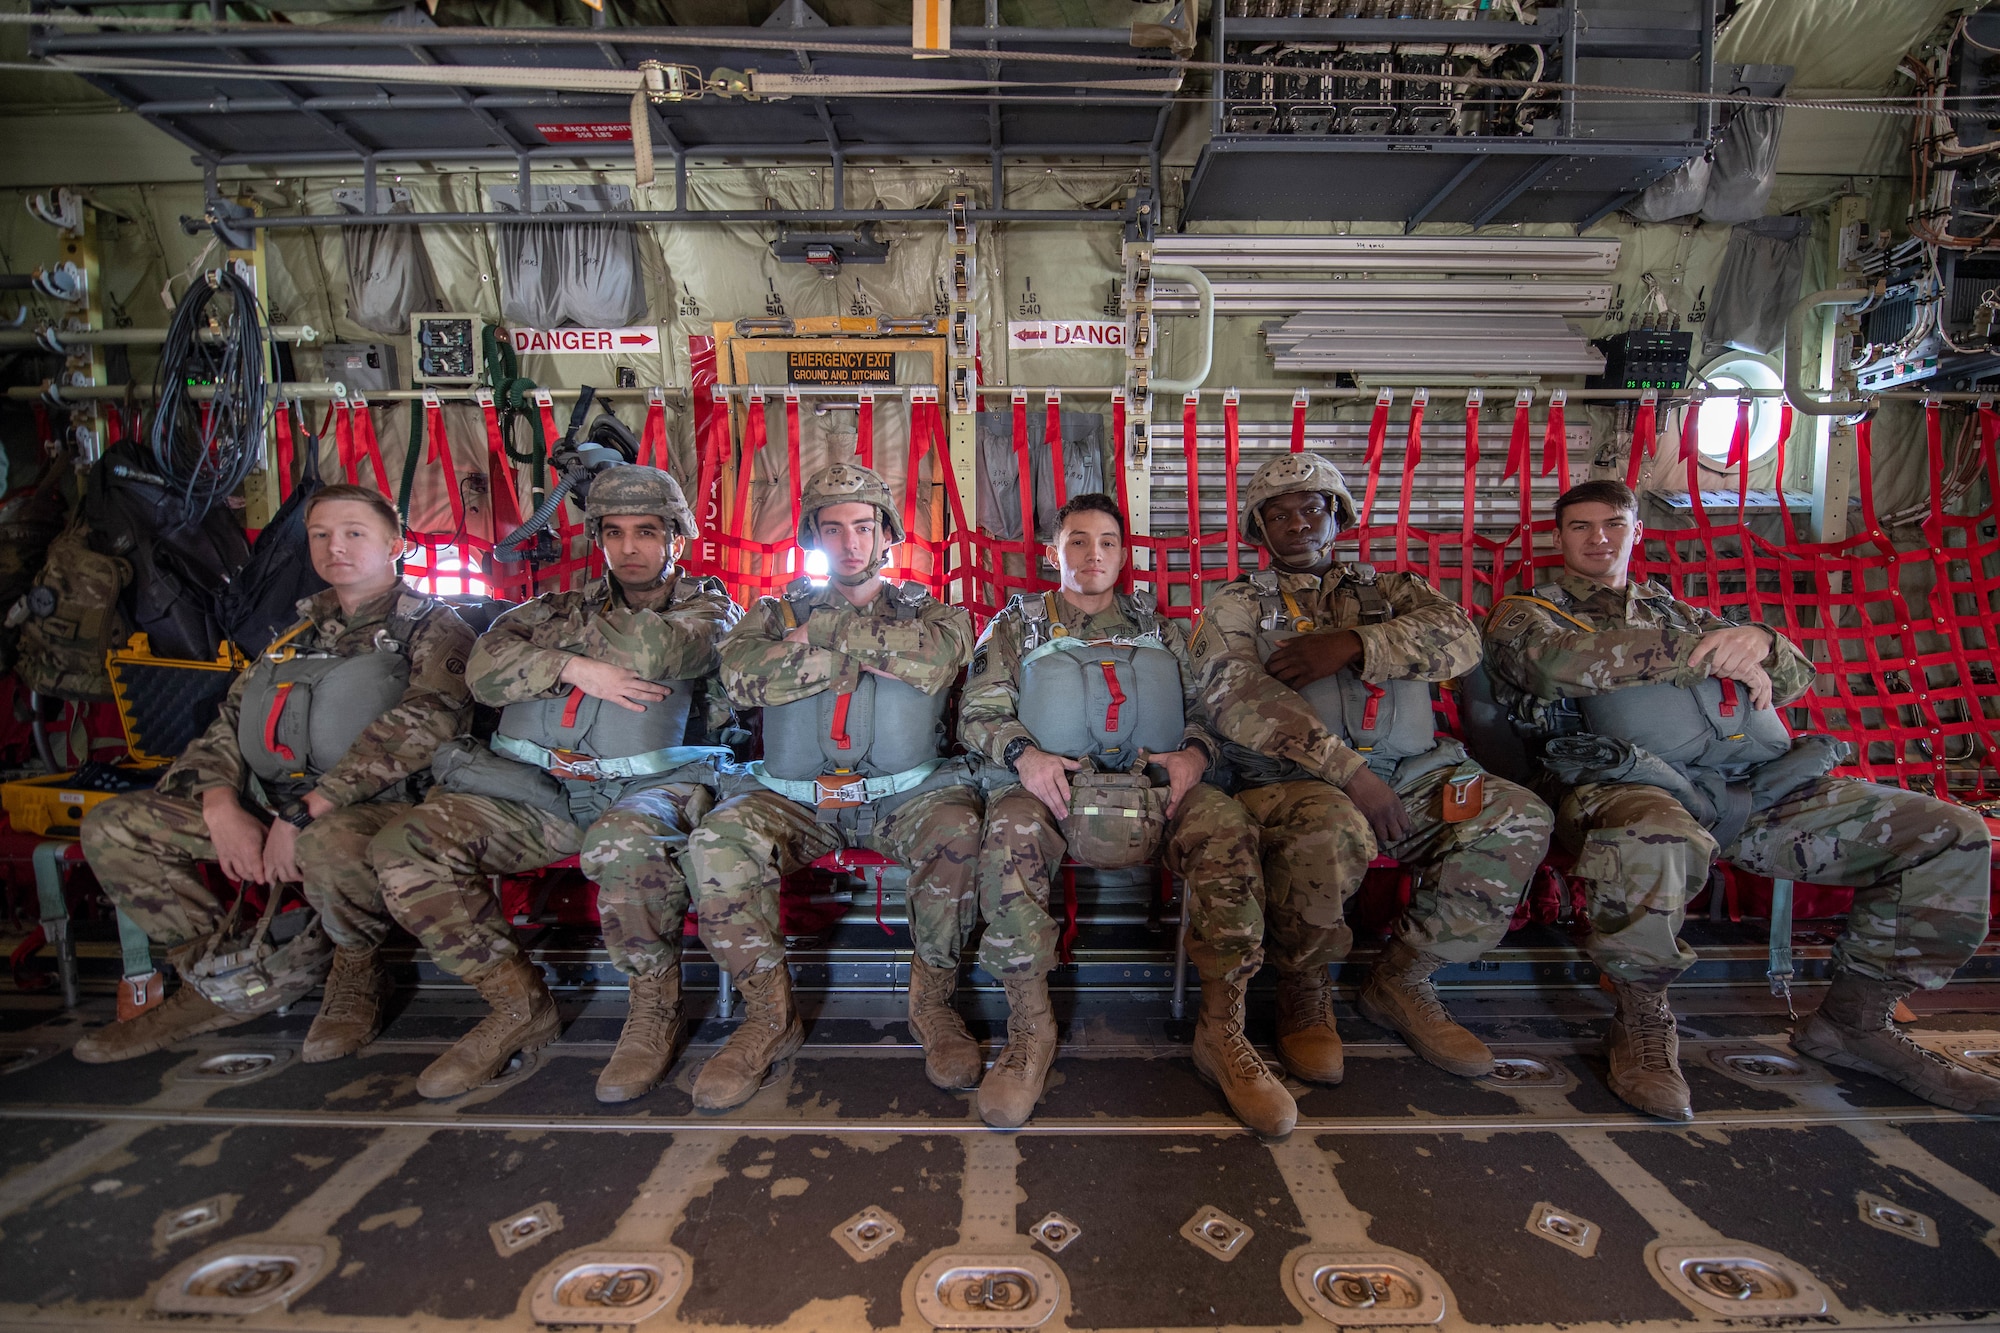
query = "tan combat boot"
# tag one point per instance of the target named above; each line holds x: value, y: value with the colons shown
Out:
x: 1854, y: 1028
x: 1225, y: 1057
x: 769, y: 1032
x: 523, y: 1019
x: 1008, y: 1094
x: 1644, y: 1047
x: 1399, y: 996
x: 350, y: 1011
x: 1308, y: 1041
x: 951, y: 1056
x: 185, y: 1013
x: 646, y: 1045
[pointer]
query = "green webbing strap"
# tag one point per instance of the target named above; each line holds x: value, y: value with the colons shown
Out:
x: 133, y: 944
x: 510, y: 396
x: 1086, y: 647
x: 48, y: 857
x: 806, y: 791
x: 410, y: 457
x: 632, y: 766
x: 1781, y: 940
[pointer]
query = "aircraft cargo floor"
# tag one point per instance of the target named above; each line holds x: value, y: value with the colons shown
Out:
x: 227, y: 1183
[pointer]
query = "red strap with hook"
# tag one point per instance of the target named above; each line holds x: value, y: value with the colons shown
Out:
x: 271, y: 741
x: 1117, y: 695
x: 838, y: 735
x: 1372, y: 709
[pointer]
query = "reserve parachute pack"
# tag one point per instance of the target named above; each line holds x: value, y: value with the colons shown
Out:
x: 1108, y: 702
x: 842, y: 751
x: 1722, y: 758
x: 302, y: 711
x: 1099, y: 699
x: 574, y: 754
x: 1391, y: 725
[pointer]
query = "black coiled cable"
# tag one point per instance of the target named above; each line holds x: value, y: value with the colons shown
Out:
x: 205, y: 449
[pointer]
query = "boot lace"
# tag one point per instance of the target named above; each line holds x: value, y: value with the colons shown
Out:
x: 1249, y: 1065
x: 648, y: 1017
x: 1014, y: 1056
x: 1652, y: 1029
x: 350, y: 990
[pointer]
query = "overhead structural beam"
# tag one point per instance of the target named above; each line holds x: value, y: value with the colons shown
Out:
x: 1108, y: 217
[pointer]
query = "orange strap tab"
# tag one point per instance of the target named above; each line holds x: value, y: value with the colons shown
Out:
x: 1728, y: 708
x: 569, y: 709
x: 839, y: 735
x: 1117, y: 695
x: 271, y: 741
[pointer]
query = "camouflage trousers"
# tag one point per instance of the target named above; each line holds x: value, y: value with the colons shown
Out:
x: 144, y: 848
x: 1921, y: 868
x: 1468, y: 876
x: 750, y: 842
x: 1209, y: 843
x: 434, y: 864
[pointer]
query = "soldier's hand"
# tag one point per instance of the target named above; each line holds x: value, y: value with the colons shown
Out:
x: 613, y: 684
x: 1734, y: 652
x: 1309, y: 657
x: 1185, y: 769
x: 281, y: 854
x: 1379, y: 804
x: 237, y: 834
x: 797, y: 635
x: 1758, y: 682
x: 1047, y: 776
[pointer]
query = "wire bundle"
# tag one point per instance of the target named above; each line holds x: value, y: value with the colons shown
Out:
x: 205, y: 449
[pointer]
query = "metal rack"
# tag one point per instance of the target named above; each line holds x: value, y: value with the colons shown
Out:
x: 270, y: 121
x: 1600, y: 155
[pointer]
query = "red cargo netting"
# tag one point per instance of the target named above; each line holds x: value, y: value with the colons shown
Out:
x: 1904, y: 637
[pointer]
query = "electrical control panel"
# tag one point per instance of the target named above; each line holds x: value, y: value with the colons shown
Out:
x: 444, y: 348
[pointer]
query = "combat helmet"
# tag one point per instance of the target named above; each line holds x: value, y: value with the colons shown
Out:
x: 847, y: 483
x: 1289, y: 475
x: 631, y: 488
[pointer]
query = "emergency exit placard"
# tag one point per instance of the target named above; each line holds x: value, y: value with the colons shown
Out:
x: 584, y: 342
x: 836, y: 366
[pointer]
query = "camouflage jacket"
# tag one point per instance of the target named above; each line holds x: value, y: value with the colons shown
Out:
x: 989, y: 715
x: 924, y: 651
x: 399, y: 744
x: 1427, y: 638
x: 522, y: 656
x: 1641, y: 634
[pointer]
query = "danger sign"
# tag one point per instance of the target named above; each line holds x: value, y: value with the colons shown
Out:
x: 1066, y: 334
x: 584, y: 342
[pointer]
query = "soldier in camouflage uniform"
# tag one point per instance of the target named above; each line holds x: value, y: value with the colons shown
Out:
x: 1271, y: 647
x: 632, y: 640
x: 851, y: 676
x: 144, y: 846
x: 1921, y: 866
x: 1209, y: 841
